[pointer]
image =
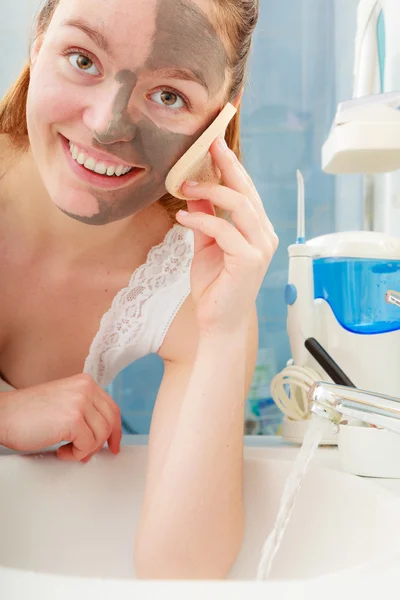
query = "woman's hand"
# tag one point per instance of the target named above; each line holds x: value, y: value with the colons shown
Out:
x: 230, y: 261
x: 74, y: 410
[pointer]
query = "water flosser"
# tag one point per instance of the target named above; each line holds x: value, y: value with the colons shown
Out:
x: 299, y: 292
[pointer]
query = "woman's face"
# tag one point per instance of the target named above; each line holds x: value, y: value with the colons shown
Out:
x: 120, y: 85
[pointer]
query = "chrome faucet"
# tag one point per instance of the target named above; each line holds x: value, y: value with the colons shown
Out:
x: 334, y: 402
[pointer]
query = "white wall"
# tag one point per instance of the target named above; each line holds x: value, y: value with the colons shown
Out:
x: 15, y: 33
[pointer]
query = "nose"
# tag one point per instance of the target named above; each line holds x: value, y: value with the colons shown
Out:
x: 111, y: 121
x: 119, y: 129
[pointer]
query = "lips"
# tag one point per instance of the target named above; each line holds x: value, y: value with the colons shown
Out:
x: 100, y: 156
x: 98, y: 180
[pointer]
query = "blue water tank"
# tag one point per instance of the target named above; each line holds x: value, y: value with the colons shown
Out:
x: 355, y: 289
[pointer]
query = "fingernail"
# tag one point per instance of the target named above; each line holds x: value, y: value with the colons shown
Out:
x: 192, y: 183
x: 183, y: 213
x: 222, y: 144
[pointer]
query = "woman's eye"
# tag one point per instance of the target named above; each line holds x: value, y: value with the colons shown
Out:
x: 83, y: 63
x: 169, y: 99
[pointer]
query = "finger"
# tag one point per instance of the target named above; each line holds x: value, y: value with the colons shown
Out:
x: 98, y: 424
x: 228, y: 238
x: 90, y: 456
x: 81, y: 445
x: 87, y: 459
x: 90, y: 437
x: 201, y: 240
x: 228, y: 164
x: 114, y: 440
x: 236, y: 177
x: 249, y: 180
x: 112, y: 414
x: 65, y: 453
x: 243, y: 214
x: 258, y: 201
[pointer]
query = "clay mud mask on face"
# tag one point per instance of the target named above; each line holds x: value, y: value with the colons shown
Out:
x: 197, y: 164
x: 184, y: 39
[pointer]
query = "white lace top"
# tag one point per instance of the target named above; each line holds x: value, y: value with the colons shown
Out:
x: 140, y: 314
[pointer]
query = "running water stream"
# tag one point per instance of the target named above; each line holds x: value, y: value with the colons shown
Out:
x: 317, y: 429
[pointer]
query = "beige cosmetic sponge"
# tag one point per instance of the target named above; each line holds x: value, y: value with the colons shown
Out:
x: 197, y: 164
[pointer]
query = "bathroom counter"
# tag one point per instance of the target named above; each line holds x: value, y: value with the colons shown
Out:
x: 278, y: 448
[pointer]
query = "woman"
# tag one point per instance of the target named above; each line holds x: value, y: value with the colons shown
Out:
x: 111, y: 99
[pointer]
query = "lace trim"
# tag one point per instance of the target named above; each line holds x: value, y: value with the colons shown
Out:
x: 122, y: 323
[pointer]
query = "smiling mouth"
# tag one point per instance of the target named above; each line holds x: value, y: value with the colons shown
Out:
x: 96, y: 166
x: 101, y: 172
x: 99, y: 167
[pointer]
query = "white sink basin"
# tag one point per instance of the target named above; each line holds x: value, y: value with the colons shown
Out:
x: 80, y: 520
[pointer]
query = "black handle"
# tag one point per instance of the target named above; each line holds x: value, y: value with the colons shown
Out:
x: 327, y: 363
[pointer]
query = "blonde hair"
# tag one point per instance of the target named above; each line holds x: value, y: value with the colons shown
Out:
x: 234, y: 19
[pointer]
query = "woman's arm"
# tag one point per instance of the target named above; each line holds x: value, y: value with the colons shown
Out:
x: 192, y: 520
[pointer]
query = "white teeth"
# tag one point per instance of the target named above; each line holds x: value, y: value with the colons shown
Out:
x: 90, y: 164
x: 98, y: 167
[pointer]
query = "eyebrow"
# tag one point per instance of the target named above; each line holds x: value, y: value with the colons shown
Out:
x: 96, y: 37
x: 184, y: 74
